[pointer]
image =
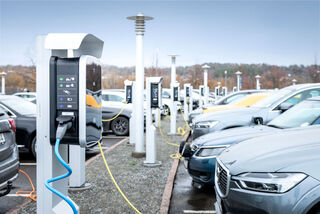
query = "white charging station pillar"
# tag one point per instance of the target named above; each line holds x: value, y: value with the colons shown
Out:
x: 238, y: 73
x: 191, y: 99
x: 3, y: 82
x: 201, y: 93
x: 130, y: 99
x: 47, y: 164
x: 205, y: 83
x: 186, y: 99
x: 173, y: 106
x: 153, y: 93
x: 258, y: 82
x: 139, y: 88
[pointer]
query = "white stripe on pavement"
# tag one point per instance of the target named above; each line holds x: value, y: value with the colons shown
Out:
x: 199, y: 211
x: 28, y: 164
x: 14, y: 195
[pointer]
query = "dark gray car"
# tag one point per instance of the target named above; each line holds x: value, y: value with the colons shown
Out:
x: 202, y: 153
x: 9, y: 155
x: 120, y: 125
x: 264, y: 111
x: 271, y: 174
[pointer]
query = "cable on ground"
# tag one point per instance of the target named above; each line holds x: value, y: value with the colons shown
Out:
x: 32, y: 194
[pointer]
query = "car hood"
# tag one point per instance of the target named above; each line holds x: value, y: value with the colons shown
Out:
x: 230, y: 114
x: 289, y: 150
x: 235, y: 135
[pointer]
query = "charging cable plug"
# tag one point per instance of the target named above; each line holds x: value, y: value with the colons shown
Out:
x: 65, y: 123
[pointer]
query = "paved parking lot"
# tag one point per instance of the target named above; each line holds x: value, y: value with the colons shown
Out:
x: 28, y: 164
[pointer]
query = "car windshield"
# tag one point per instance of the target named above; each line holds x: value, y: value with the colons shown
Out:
x: 272, y: 99
x: 21, y: 106
x: 303, y: 114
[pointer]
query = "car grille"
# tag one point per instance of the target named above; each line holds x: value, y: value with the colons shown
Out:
x: 222, y: 179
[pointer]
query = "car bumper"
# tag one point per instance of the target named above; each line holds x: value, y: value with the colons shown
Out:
x: 241, y: 201
x: 202, y: 169
x: 9, y: 168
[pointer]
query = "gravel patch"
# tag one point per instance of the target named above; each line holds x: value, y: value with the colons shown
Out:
x: 142, y: 185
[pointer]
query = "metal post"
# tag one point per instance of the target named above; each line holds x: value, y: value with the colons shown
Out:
x: 3, y: 82
x: 258, y: 81
x: 173, y: 107
x: 225, y: 78
x: 205, y: 83
x: 294, y: 81
x: 139, y: 88
x: 238, y: 73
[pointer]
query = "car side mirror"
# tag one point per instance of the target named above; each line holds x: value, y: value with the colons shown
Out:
x: 285, y: 106
x: 257, y: 120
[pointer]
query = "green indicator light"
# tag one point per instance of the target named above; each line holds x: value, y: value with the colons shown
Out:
x: 61, y: 85
x: 61, y: 79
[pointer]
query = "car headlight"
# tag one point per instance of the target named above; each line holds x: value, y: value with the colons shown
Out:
x: 193, y: 147
x: 212, y: 151
x: 269, y: 182
x: 206, y: 124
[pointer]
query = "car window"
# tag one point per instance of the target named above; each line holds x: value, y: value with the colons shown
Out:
x: 21, y: 106
x: 165, y: 94
x: 6, y: 111
x: 115, y: 98
x: 297, y: 98
x: 234, y: 98
x: 317, y: 121
x: 105, y: 97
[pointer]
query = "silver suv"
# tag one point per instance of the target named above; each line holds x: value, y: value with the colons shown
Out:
x: 273, y: 174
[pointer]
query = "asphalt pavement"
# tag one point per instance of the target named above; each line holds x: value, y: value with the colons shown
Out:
x: 28, y: 164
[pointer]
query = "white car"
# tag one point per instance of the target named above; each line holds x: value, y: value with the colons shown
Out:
x: 30, y: 96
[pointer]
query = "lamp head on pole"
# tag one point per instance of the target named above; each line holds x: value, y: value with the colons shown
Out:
x: 258, y: 76
x: 238, y: 73
x: 205, y: 67
x: 140, y: 20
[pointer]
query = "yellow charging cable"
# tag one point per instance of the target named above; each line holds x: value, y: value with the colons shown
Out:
x: 181, y: 130
x: 115, y: 183
x: 108, y: 120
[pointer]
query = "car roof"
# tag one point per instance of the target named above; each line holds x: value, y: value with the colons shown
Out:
x: 10, y: 97
x: 314, y: 98
x: 302, y: 86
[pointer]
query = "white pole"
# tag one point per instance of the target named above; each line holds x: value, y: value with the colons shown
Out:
x: 173, y: 107
x: 238, y: 73
x: 294, y: 81
x: 139, y: 88
x: 205, y: 84
x: 258, y: 82
x: 3, y: 83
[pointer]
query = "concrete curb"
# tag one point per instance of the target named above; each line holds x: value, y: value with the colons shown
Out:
x: 15, y: 210
x: 166, y: 197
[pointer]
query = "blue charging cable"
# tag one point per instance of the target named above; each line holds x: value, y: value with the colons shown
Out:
x: 56, y: 152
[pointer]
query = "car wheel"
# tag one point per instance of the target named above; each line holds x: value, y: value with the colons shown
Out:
x: 166, y: 110
x: 33, y: 147
x: 120, y: 126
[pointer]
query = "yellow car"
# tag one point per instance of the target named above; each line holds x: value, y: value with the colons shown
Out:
x: 247, y: 101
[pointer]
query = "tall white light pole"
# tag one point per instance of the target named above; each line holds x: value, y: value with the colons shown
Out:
x: 139, y: 87
x: 205, y: 83
x: 173, y: 108
x: 238, y: 73
x: 3, y: 82
x: 258, y: 82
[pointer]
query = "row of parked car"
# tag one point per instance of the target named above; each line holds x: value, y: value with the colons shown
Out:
x: 261, y: 151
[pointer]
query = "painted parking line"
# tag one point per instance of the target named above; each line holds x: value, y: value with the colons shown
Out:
x: 112, y: 137
x: 199, y: 211
x: 28, y: 164
x: 14, y: 195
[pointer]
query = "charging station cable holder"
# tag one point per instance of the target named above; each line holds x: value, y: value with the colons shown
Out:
x: 154, y: 101
x: 49, y: 47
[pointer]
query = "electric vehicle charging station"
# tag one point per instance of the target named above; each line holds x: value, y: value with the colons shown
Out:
x: 224, y: 91
x: 154, y: 101
x: 217, y: 91
x: 187, y: 99
x: 68, y: 110
x: 173, y: 111
x: 201, y: 92
x: 234, y: 89
x: 129, y: 88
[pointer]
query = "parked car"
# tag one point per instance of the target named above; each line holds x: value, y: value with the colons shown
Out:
x: 227, y: 100
x: 24, y: 114
x: 9, y: 155
x: 275, y: 174
x: 30, y: 96
x: 246, y: 101
x: 119, y: 126
x: 201, y: 154
x: 111, y: 97
x: 166, y: 102
x: 265, y: 110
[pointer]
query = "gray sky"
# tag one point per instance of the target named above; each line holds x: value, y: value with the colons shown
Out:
x: 273, y: 32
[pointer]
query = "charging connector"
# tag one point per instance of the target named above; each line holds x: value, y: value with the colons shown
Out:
x: 65, y: 123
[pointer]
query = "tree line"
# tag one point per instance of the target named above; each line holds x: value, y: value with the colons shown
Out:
x: 21, y: 77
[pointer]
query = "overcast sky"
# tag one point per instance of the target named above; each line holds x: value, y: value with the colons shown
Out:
x: 273, y: 32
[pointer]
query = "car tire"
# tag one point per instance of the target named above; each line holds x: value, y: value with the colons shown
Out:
x: 120, y: 126
x: 33, y: 147
x: 166, y: 110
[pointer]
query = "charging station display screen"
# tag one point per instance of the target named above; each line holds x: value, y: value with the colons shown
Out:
x: 175, y: 94
x: 154, y: 95
x: 202, y: 91
x: 187, y: 92
x: 93, y: 102
x: 129, y: 94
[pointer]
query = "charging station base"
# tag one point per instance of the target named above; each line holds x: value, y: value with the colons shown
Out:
x: 63, y: 207
x: 83, y: 187
x: 138, y: 154
x: 151, y: 165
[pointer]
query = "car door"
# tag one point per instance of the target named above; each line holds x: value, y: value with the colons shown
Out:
x: 294, y: 100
